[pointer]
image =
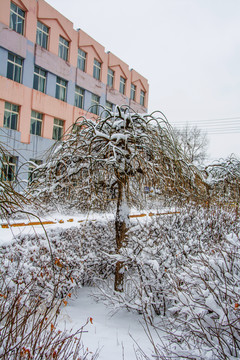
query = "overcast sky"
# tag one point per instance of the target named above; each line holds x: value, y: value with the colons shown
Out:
x: 189, y: 50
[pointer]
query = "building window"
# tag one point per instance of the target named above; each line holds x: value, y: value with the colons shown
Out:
x: 94, y: 104
x: 57, y: 129
x: 14, y: 68
x: 96, y: 69
x: 9, y: 167
x: 142, y: 97
x: 63, y: 48
x: 81, y: 62
x: 36, y: 123
x: 17, y: 18
x: 122, y: 85
x: 109, y: 106
x: 61, y: 89
x: 110, y: 77
x: 133, y: 92
x: 42, y: 35
x: 79, y: 97
x: 33, y: 163
x: 11, y: 115
x: 39, y: 79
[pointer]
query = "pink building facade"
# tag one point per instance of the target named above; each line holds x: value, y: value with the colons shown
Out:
x: 50, y: 74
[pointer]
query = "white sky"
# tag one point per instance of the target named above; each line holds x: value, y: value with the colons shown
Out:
x: 189, y: 50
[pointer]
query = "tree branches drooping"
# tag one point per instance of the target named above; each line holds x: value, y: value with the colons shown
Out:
x: 224, y: 182
x: 114, y: 157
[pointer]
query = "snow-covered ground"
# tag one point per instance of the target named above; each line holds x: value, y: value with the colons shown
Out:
x: 114, y: 335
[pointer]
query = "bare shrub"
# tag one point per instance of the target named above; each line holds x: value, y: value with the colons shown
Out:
x: 203, y: 321
x: 157, y: 251
x: 193, y: 142
x: 207, y: 295
x: 29, y: 324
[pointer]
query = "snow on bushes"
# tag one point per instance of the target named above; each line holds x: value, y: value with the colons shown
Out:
x: 85, y: 254
x: 38, y: 275
x: 158, y: 250
x: 206, y: 292
x: 68, y: 257
x: 29, y: 258
x: 183, y: 267
x: 202, y: 289
x: 37, y: 278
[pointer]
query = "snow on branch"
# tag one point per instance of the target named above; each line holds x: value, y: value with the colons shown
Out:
x: 117, y: 146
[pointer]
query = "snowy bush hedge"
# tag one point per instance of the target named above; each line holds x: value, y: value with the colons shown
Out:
x: 68, y: 257
x: 206, y: 292
x: 158, y: 250
x: 185, y: 268
x: 35, y: 284
x: 201, y: 287
x: 38, y: 275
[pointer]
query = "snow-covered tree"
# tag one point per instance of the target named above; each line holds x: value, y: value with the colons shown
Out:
x: 115, y: 155
x: 224, y: 181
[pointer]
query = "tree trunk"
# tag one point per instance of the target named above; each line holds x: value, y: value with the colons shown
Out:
x: 121, y: 227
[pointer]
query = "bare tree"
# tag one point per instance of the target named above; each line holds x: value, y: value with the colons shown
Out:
x: 115, y: 155
x: 194, y: 143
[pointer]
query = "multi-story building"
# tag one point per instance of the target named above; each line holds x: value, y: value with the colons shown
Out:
x: 50, y: 74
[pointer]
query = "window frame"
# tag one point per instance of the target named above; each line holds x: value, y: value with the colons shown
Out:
x: 122, y: 85
x: 42, y: 34
x: 133, y: 92
x: 12, y: 66
x: 63, y: 48
x: 58, y: 129
x: 79, y: 97
x: 109, y: 105
x: 95, y: 104
x: 32, y: 167
x: 110, y: 78
x: 61, y: 89
x: 81, y: 60
x: 9, y: 123
x: 36, y: 123
x: 142, y: 97
x: 20, y: 19
x: 40, y: 78
x: 9, y: 162
x: 97, y: 69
